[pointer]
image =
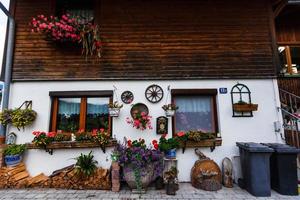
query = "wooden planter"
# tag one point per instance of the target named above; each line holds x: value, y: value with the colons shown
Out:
x: 245, y: 107
x: 211, y: 143
x: 204, y: 143
x: 71, y: 145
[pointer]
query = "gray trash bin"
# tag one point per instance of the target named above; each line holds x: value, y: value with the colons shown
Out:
x: 255, y: 159
x: 283, y: 166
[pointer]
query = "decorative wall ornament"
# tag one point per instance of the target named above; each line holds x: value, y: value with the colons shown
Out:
x: 154, y: 93
x: 206, y: 174
x: 127, y: 97
x: 162, y: 125
x: 11, y: 138
x: 227, y: 170
x: 241, y: 101
x: 139, y: 108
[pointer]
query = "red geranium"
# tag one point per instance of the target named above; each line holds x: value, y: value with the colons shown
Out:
x: 180, y: 134
x: 129, y: 143
x: 51, y: 134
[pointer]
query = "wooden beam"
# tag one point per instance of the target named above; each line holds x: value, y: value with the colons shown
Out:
x: 279, y: 7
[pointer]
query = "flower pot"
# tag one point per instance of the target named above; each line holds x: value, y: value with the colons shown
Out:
x: 159, y: 183
x: 170, y: 154
x: 12, y: 160
x: 146, y: 176
x: 171, y: 188
x: 114, y: 112
x: 2, y: 140
x: 245, y: 107
x: 170, y: 113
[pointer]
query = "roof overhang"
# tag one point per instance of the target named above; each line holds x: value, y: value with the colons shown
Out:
x: 294, y: 2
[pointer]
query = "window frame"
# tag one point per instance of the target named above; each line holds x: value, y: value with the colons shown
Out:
x: 84, y: 95
x: 96, y: 7
x: 198, y: 92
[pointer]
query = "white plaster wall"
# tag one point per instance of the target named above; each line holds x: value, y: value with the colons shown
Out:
x: 259, y: 128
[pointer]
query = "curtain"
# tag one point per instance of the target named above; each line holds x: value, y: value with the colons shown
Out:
x: 69, y: 106
x: 194, y: 113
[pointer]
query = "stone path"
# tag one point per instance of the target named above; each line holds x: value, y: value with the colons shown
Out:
x: 186, y: 191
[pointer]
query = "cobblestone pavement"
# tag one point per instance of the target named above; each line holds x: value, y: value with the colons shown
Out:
x: 186, y: 191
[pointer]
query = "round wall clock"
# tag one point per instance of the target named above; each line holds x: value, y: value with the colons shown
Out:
x: 154, y: 93
x: 127, y: 97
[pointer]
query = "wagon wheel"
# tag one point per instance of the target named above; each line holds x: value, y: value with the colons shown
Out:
x: 127, y: 97
x: 154, y: 93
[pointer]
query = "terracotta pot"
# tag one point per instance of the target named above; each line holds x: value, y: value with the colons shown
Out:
x: 2, y: 140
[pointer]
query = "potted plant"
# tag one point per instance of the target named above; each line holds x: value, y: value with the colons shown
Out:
x: 68, y: 29
x: 140, y: 121
x: 114, y: 109
x: 18, y: 117
x: 171, y: 180
x: 101, y: 137
x: 170, y: 109
x: 85, y: 165
x: 13, y: 154
x: 168, y: 146
x: 140, y: 164
x: 242, y: 106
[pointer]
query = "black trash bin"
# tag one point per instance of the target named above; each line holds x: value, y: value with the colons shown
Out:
x: 283, y: 165
x: 255, y: 159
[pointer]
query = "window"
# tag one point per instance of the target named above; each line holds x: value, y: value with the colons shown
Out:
x: 82, y: 8
x: 197, y: 110
x: 73, y: 111
x: 290, y: 60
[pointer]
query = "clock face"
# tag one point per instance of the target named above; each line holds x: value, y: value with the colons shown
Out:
x: 154, y: 93
x: 127, y: 97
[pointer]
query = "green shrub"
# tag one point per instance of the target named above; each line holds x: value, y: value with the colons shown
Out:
x: 85, y: 165
x: 14, y: 149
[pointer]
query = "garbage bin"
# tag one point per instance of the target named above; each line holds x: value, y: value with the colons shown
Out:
x: 255, y: 159
x: 283, y: 165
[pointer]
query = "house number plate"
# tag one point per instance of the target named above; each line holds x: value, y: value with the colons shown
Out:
x: 223, y: 90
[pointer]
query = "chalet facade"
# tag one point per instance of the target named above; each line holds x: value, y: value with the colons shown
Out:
x: 288, y: 41
x: 195, y: 51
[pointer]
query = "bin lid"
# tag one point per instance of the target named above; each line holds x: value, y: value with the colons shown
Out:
x: 254, y: 147
x: 282, y: 148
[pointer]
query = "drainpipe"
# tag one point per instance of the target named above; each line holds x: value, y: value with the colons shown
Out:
x: 8, y: 62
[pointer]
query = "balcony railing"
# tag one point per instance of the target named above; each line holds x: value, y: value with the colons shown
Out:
x: 290, y: 107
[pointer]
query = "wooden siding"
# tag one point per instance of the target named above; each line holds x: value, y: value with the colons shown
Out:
x: 288, y: 26
x: 155, y: 39
x: 290, y: 84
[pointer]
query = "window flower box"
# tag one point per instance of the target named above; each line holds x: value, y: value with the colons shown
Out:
x: 245, y: 107
x: 71, y: 145
x: 203, y: 143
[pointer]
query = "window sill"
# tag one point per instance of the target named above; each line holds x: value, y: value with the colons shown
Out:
x: 212, y: 143
x: 71, y: 145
